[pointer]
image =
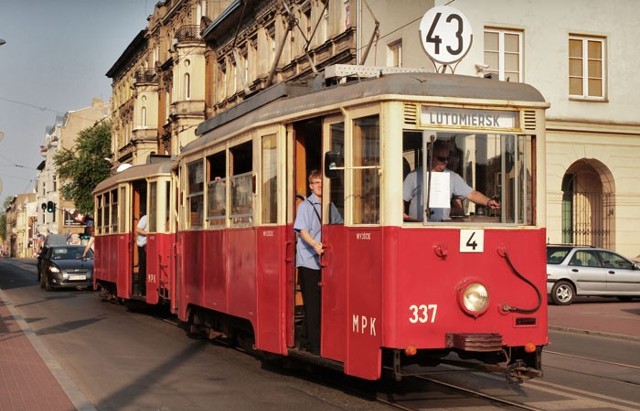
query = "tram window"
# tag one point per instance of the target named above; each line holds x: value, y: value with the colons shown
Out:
x: 105, y: 212
x: 152, y: 213
x: 269, y: 179
x: 336, y: 183
x: 497, y: 165
x: 167, y: 206
x: 99, y: 222
x: 122, y: 221
x: 366, y: 163
x: 195, y: 195
x: 114, y: 211
x: 216, y: 189
x: 241, y: 183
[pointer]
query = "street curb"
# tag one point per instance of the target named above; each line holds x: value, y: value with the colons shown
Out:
x: 592, y: 332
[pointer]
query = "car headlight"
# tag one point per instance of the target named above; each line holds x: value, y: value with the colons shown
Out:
x: 54, y: 269
x: 473, y: 298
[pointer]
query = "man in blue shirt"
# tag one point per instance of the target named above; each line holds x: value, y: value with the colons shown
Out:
x: 309, y: 247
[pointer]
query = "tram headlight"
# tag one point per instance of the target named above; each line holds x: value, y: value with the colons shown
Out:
x: 473, y: 298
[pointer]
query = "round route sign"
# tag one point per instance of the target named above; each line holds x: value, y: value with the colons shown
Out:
x: 445, y: 34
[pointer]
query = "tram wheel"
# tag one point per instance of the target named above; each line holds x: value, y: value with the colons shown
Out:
x: 562, y: 293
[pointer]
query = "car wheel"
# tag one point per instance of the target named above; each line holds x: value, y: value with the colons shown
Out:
x: 562, y: 293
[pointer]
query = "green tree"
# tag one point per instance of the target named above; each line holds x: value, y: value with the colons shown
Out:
x: 3, y: 218
x: 84, y: 166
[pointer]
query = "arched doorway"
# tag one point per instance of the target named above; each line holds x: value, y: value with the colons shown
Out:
x: 588, y: 204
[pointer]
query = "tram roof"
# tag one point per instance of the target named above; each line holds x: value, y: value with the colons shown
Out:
x: 135, y: 173
x: 282, y: 99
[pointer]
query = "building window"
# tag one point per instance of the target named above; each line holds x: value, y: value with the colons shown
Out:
x: 394, y: 56
x: 586, y: 67
x: 222, y: 79
x: 503, y: 54
x: 187, y: 86
x: 144, y: 117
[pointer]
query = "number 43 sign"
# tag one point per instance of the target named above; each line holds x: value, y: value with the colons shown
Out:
x: 446, y: 34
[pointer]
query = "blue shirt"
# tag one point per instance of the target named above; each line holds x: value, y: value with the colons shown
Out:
x: 307, y: 219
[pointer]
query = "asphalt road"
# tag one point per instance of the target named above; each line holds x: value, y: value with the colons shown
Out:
x: 122, y: 360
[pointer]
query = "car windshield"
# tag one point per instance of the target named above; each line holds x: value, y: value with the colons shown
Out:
x: 555, y: 255
x: 68, y: 253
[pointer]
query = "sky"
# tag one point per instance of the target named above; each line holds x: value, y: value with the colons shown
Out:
x: 55, y: 60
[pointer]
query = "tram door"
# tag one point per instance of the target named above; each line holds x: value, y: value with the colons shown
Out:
x: 139, y: 208
x: 307, y: 157
x: 312, y: 140
x: 334, y: 274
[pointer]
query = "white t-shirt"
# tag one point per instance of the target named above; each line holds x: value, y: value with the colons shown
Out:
x: 142, y: 224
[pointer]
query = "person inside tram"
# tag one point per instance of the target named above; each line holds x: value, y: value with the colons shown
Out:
x: 91, y: 232
x: 141, y: 241
x: 309, y: 247
x: 458, y: 189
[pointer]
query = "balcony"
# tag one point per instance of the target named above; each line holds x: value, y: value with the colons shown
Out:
x: 146, y: 76
x: 190, y: 32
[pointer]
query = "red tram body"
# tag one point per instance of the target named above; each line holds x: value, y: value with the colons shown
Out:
x: 221, y: 253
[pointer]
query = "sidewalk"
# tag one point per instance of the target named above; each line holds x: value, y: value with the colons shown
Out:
x: 30, y: 378
x: 598, y: 316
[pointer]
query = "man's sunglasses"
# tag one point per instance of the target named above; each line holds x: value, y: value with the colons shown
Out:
x: 442, y: 159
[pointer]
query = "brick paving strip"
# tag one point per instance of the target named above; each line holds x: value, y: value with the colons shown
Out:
x: 30, y: 378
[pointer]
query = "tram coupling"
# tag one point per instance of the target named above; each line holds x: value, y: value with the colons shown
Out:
x: 518, y: 372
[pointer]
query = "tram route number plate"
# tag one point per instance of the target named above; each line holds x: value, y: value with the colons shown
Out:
x: 446, y: 34
x: 471, y: 241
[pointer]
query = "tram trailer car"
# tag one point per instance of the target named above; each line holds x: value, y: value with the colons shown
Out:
x: 395, y: 292
x: 120, y: 201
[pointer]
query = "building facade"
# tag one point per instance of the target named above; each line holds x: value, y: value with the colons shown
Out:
x: 55, y: 214
x: 158, y: 82
x: 21, y: 226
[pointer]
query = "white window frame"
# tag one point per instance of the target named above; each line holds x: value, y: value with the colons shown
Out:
x: 394, y: 56
x: 585, y: 39
x: 501, y: 53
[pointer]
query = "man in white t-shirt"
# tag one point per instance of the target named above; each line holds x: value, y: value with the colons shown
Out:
x: 141, y: 241
x: 459, y: 189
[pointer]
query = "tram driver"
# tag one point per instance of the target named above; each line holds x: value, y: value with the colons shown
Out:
x: 458, y: 189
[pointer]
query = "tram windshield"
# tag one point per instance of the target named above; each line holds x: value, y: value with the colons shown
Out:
x: 499, y: 166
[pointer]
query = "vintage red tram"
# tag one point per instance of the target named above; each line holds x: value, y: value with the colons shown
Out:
x: 396, y: 289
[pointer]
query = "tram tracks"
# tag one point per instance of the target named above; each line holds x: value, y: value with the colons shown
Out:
x: 597, y: 368
x: 493, y: 400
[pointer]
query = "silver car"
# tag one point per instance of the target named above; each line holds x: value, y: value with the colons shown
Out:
x: 588, y: 271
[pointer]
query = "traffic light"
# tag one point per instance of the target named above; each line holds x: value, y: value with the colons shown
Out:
x: 51, y: 207
x: 44, y: 206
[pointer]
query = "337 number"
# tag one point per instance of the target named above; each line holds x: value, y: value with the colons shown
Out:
x: 423, y: 313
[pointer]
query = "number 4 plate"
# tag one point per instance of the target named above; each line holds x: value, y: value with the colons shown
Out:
x: 471, y: 241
